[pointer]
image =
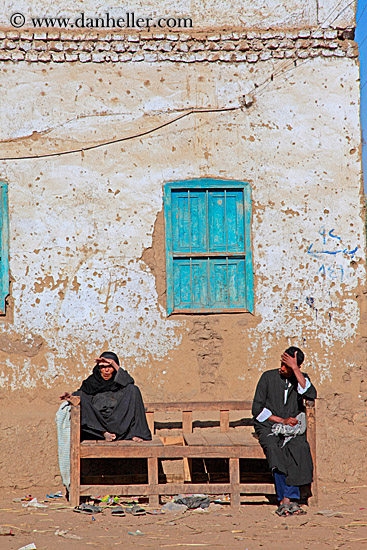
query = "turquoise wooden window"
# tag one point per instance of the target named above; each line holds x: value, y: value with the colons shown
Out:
x: 208, y: 246
x: 4, y: 246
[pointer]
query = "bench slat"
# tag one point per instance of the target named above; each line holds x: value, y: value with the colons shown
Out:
x: 172, y: 451
x: 215, y: 438
x: 195, y: 439
x: 176, y: 488
x: 155, y: 442
x: 179, y: 406
x: 242, y: 438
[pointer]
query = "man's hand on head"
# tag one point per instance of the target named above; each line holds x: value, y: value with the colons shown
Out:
x: 290, y: 361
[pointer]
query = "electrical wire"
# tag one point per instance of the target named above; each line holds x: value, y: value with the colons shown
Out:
x: 332, y: 11
x: 120, y: 140
x: 342, y: 11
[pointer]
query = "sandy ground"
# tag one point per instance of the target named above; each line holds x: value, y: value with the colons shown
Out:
x: 254, y: 527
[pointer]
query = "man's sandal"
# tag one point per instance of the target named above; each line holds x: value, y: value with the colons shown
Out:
x: 136, y: 511
x: 118, y: 511
x: 87, y: 509
x: 296, y: 510
x: 283, y: 510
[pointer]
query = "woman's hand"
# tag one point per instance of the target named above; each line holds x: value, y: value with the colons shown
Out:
x: 105, y: 361
x: 65, y: 396
x: 73, y: 399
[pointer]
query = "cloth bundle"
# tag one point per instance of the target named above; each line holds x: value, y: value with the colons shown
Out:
x: 63, y: 441
x: 290, y: 431
x: 193, y: 502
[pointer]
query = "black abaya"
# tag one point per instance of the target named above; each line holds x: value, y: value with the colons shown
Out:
x: 119, y: 411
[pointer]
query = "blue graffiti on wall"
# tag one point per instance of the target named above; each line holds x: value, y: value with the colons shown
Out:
x: 336, y: 271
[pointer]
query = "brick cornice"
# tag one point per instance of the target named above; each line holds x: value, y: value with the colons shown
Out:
x: 236, y: 46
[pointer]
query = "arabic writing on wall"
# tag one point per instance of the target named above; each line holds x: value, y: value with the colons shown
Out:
x: 332, y: 249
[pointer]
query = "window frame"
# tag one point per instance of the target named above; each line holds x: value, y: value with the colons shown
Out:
x: 209, y: 184
x: 4, y: 246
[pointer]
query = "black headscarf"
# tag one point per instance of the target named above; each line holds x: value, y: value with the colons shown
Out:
x: 95, y: 383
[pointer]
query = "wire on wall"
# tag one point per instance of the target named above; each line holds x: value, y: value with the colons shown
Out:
x: 281, y: 70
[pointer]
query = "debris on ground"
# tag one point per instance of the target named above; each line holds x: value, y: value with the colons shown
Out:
x: 136, y: 533
x: 55, y: 495
x: 67, y: 535
x: 329, y: 514
x: 215, y: 507
x: 106, y: 500
x: 6, y: 532
x: 34, y: 504
x: 173, y: 507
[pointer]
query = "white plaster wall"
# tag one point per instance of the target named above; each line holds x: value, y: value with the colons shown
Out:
x: 80, y: 223
x: 205, y: 13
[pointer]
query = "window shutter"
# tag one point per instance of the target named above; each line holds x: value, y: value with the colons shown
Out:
x: 208, y: 246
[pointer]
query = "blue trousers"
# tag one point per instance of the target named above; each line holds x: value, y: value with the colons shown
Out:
x: 283, y: 490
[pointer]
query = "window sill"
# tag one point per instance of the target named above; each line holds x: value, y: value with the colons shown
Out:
x: 208, y: 311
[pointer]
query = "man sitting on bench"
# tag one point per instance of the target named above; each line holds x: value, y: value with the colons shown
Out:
x: 276, y: 409
x: 111, y: 405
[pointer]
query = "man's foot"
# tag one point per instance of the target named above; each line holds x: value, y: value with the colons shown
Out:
x: 283, y: 510
x: 108, y: 436
x: 296, y: 510
x: 137, y: 438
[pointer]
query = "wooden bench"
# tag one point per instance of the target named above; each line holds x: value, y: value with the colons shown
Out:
x: 228, y: 443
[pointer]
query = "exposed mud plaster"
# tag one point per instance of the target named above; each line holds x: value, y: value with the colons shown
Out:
x: 155, y: 258
x: 28, y: 345
x: 208, y: 345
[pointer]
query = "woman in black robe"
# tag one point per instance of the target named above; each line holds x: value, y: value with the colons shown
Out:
x: 111, y: 405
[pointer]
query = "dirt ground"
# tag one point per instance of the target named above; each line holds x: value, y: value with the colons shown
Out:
x: 254, y: 527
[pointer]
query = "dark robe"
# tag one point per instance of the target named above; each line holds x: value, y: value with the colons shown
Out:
x: 119, y: 409
x: 294, y: 459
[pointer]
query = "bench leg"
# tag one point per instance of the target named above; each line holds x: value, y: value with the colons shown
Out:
x: 74, y: 493
x: 311, y: 438
x: 234, y: 480
x: 153, y: 482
